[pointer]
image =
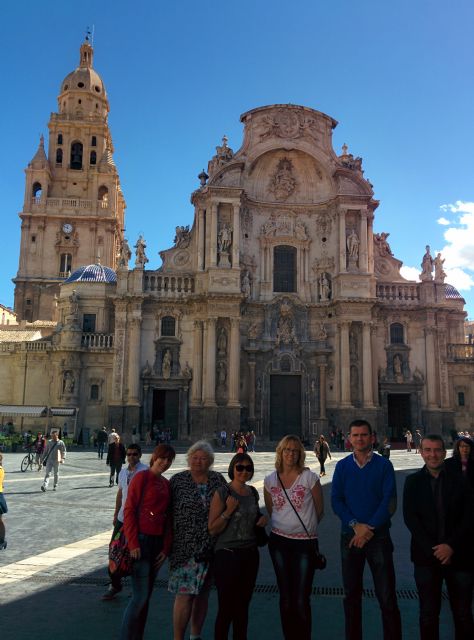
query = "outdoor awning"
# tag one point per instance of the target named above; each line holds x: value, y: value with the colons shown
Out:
x: 62, y: 411
x: 19, y: 410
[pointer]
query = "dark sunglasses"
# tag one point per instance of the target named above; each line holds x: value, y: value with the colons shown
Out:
x: 244, y: 467
x: 132, y: 453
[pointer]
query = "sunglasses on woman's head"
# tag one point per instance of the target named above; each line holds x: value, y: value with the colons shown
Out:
x: 244, y: 467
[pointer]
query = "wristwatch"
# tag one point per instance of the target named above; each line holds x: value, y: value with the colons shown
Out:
x: 352, y: 523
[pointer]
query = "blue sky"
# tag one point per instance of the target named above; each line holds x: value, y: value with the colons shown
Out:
x: 396, y: 76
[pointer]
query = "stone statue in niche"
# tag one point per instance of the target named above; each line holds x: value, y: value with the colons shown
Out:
x: 166, y: 365
x: 187, y: 372
x: 224, y: 239
x: 253, y: 331
x: 124, y: 254
x: 440, y: 275
x: 140, y: 247
x: 324, y: 287
x: 222, y: 342
x: 221, y: 373
x: 380, y: 241
x: 322, y: 334
x: 427, y: 266
x: 353, y: 245
x: 246, y: 289
x: 146, y: 371
x: 69, y: 382
x: 182, y: 237
x: 353, y: 345
x: 397, y: 365
x: 282, y: 183
x: 300, y: 230
x: 285, y: 331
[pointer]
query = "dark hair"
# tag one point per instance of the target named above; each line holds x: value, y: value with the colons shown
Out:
x: 135, y: 447
x: 433, y: 436
x: 361, y: 423
x: 237, y: 459
x: 162, y: 451
x: 469, y: 442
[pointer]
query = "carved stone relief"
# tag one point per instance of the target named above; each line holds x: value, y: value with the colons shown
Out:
x: 283, y: 183
x: 289, y: 124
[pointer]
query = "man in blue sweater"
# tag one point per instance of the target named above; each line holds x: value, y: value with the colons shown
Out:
x: 364, y: 498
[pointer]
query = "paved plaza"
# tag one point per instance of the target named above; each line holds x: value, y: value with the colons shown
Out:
x: 53, y: 572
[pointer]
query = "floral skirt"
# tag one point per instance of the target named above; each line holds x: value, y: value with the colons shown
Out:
x: 190, y: 578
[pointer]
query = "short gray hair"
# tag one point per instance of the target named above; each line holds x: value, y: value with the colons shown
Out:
x: 201, y: 445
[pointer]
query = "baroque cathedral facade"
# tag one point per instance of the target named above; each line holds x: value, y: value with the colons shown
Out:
x: 279, y: 309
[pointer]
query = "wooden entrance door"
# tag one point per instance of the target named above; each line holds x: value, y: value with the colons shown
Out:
x: 285, y: 406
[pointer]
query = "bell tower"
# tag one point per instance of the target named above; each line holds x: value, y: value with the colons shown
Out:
x: 73, y: 207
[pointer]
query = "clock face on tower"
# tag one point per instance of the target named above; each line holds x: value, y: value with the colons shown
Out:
x: 67, y: 227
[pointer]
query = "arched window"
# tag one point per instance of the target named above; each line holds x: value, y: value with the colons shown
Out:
x: 284, y: 269
x: 396, y: 333
x: 59, y: 156
x: 60, y: 138
x: 93, y: 141
x: 93, y: 157
x: 103, y: 193
x: 168, y: 326
x: 37, y: 190
x: 65, y: 264
x: 76, y: 155
x: 94, y: 392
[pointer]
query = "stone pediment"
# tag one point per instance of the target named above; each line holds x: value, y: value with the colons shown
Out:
x: 386, y: 266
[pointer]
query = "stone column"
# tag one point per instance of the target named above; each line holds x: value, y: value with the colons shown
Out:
x: 363, y: 255
x: 236, y: 237
x: 134, y: 359
x: 196, y: 389
x: 345, y: 364
x: 213, y: 233
x: 430, y: 366
x: 367, y: 365
x: 234, y: 363
x: 342, y: 240
x: 251, y: 390
x: 322, y: 391
x: 201, y: 241
x: 210, y: 355
x: 370, y: 242
x: 119, y: 350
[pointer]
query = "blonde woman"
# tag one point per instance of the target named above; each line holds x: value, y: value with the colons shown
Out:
x: 294, y: 501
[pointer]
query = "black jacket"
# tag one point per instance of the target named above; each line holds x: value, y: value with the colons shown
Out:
x: 419, y: 513
x: 454, y: 465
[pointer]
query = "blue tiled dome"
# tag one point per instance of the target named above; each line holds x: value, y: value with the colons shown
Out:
x: 93, y: 273
x: 452, y: 293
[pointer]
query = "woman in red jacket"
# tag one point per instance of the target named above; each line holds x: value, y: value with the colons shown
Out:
x: 148, y: 531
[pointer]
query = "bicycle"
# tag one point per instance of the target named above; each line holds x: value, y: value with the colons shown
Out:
x: 28, y: 461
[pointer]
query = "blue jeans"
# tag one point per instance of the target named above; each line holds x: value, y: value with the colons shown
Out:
x: 143, y: 580
x: 100, y: 449
x: 293, y: 561
x: 379, y: 554
x: 459, y: 583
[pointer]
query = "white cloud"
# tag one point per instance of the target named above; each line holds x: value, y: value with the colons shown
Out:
x: 458, y: 251
x: 411, y: 273
x: 443, y: 221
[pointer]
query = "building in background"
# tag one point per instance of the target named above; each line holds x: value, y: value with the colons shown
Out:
x: 279, y: 309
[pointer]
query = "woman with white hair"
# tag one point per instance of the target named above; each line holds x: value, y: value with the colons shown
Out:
x: 189, y: 578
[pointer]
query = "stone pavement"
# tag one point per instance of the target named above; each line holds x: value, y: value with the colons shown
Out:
x: 54, y: 569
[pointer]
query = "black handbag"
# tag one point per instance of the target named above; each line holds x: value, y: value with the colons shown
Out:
x: 319, y: 558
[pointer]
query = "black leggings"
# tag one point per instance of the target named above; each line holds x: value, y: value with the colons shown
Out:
x: 235, y: 572
x: 115, y: 468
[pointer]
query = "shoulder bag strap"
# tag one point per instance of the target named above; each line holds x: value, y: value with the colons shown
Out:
x: 292, y: 505
x: 50, y: 452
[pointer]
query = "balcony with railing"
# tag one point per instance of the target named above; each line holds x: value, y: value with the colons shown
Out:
x: 79, y: 206
x: 398, y: 292
x: 168, y: 286
x: 97, y: 341
x: 461, y: 352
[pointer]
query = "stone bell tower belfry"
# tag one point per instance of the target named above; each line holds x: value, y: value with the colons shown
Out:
x: 73, y: 207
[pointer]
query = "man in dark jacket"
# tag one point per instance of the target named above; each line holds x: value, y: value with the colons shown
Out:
x: 438, y: 508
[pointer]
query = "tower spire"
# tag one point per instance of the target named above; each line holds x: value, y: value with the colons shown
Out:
x: 86, y: 51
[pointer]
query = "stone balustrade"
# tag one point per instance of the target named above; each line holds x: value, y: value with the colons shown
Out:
x: 97, y: 341
x: 168, y: 286
x: 398, y: 292
x: 33, y: 345
x: 463, y: 352
x: 80, y: 206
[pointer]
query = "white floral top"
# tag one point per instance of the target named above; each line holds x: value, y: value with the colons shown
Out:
x: 284, y: 520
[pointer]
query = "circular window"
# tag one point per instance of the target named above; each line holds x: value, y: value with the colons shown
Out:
x: 97, y: 89
x: 80, y: 85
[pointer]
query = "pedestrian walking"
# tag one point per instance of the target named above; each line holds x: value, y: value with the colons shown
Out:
x: 409, y: 439
x: 223, y: 438
x: 3, y: 507
x: 115, y: 459
x: 233, y: 517
x: 134, y: 466
x: 438, y: 508
x: 294, y: 501
x: 147, y: 526
x: 39, y: 445
x: 462, y: 460
x: 417, y: 437
x: 321, y: 449
x: 364, y: 498
x: 54, y: 455
x: 102, y: 439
